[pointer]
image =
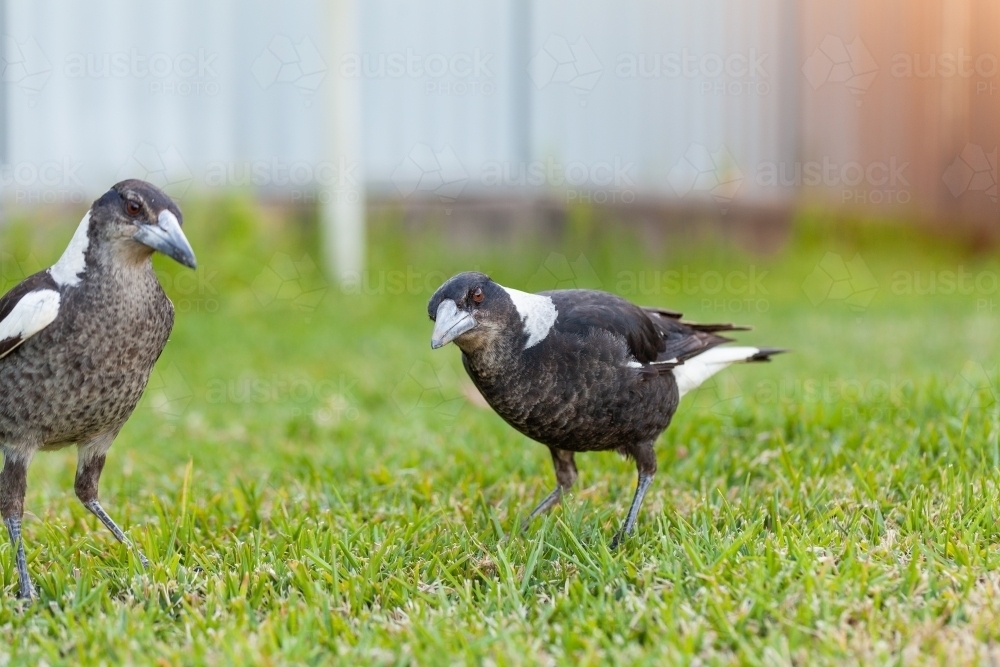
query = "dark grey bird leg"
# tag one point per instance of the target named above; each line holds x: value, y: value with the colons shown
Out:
x: 88, y: 476
x: 13, y: 486
x: 645, y: 462
x: 565, y: 478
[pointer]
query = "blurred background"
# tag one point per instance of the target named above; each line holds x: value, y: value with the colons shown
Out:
x: 497, y: 119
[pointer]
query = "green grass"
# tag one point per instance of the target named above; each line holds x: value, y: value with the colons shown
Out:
x: 304, y: 500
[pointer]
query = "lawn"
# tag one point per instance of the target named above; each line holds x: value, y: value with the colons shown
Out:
x: 313, y: 483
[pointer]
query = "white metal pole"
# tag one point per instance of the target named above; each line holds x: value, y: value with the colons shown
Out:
x: 342, y: 209
x: 4, y: 113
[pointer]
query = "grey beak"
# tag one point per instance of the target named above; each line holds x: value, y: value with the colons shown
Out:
x: 166, y: 237
x: 450, y: 323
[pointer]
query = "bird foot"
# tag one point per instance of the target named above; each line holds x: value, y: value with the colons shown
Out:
x: 95, y: 508
x: 617, y: 540
x: 27, y: 595
x: 547, y: 504
x: 524, y: 525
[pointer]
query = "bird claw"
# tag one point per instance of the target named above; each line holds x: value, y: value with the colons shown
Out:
x: 144, y: 561
x: 616, y: 541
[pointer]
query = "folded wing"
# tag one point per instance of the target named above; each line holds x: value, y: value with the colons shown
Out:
x: 654, y: 335
x: 27, y: 309
x: 659, y: 339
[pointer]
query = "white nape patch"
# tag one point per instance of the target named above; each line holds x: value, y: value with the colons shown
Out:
x: 538, y: 314
x: 34, y: 312
x: 696, y: 370
x: 66, y: 272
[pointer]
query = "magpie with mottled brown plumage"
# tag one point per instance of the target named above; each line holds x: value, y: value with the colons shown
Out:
x: 78, y: 342
x: 580, y: 370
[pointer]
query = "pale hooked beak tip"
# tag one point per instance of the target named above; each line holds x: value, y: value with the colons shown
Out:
x: 450, y: 323
x: 166, y: 237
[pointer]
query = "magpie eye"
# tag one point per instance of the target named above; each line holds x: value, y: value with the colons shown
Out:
x: 477, y: 295
x: 132, y: 207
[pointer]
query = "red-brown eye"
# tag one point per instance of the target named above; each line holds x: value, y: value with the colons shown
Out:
x: 132, y: 207
x: 477, y: 296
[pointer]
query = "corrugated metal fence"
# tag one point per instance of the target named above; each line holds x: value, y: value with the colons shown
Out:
x: 723, y: 100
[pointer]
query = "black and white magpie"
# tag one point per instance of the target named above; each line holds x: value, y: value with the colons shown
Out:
x: 78, y: 342
x: 580, y: 370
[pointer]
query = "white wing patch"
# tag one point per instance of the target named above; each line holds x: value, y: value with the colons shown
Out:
x: 66, y: 272
x: 696, y: 370
x: 34, y: 312
x: 538, y: 314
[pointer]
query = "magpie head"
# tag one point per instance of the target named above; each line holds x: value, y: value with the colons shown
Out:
x: 134, y: 219
x: 471, y: 310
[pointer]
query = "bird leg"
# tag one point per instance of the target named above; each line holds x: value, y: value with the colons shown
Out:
x: 645, y: 463
x: 565, y: 478
x: 88, y: 476
x: 13, y: 486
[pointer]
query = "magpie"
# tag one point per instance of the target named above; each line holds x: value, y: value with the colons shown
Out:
x: 78, y: 342
x: 580, y: 370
